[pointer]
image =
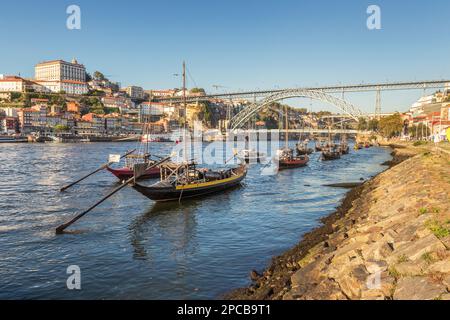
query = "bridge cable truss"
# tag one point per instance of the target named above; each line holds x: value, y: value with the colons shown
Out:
x: 242, y: 117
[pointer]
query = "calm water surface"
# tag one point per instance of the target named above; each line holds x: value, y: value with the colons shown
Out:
x: 132, y: 248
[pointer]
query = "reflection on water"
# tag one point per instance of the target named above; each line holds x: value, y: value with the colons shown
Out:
x: 132, y: 248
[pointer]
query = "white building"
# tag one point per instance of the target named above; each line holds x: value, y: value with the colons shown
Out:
x: 9, y: 111
x: 447, y: 88
x: 12, y: 84
x: 135, y: 92
x: 59, y: 70
x: 417, y: 107
x: 59, y: 76
x: 67, y: 86
x: 156, y: 109
x: 18, y: 84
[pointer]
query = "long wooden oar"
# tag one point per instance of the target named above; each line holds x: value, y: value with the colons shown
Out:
x: 94, y: 172
x: 235, y: 153
x: 61, y: 228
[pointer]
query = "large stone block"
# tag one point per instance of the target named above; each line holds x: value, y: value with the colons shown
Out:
x: 418, y: 288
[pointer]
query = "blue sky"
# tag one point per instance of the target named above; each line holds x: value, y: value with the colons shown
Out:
x: 241, y: 45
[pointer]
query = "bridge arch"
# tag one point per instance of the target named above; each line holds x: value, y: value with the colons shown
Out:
x: 243, y: 116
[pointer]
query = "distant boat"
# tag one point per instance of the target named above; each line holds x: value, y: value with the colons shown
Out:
x: 287, y: 160
x: 152, y: 138
x: 12, y: 139
x: 322, y: 145
x: 285, y: 157
x: 302, y: 149
x: 251, y: 156
x: 332, y: 153
x: 344, y: 148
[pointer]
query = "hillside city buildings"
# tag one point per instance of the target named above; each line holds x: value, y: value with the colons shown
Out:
x: 62, y: 97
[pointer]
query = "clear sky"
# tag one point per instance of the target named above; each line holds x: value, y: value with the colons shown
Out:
x: 238, y: 44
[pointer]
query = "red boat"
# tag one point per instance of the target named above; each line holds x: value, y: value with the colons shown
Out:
x: 287, y: 160
x: 126, y: 173
x: 285, y: 157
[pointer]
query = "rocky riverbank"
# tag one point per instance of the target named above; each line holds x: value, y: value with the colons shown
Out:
x: 389, y: 239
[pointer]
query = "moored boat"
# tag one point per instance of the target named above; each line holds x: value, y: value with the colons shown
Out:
x: 332, y: 153
x: 13, y: 139
x: 186, y: 181
x: 251, y: 156
x: 344, y: 148
x: 302, y: 149
x: 131, y: 160
x: 287, y: 160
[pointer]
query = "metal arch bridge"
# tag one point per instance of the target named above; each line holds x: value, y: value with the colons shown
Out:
x: 249, y: 111
x: 319, y: 93
x: 386, y: 86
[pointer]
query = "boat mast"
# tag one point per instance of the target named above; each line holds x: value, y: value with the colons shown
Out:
x: 287, y: 129
x: 329, y: 133
x: 185, y: 113
x: 147, y: 134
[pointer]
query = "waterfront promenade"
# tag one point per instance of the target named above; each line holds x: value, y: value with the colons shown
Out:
x: 390, y: 239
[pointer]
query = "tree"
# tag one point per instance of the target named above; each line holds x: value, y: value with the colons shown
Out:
x: 60, y: 128
x: 98, y: 110
x: 362, y: 124
x: 391, y: 126
x: 207, y: 113
x: 197, y: 90
x: 373, y: 125
x: 420, y: 131
x: 99, y: 76
x: 88, y: 77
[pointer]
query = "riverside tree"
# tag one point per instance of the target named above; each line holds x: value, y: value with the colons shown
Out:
x: 391, y: 126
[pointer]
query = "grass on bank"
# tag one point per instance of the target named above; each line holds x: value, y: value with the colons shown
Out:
x: 438, y: 228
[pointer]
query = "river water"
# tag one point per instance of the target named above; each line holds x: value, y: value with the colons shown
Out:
x: 132, y: 248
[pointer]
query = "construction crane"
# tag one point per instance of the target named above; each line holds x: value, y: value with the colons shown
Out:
x: 217, y: 87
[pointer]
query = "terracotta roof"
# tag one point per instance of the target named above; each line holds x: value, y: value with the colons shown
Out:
x: 74, y: 82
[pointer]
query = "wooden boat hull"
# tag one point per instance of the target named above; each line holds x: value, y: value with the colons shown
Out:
x: 172, y: 193
x: 345, y: 150
x: 327, y: 156
x: 302, y: 152
x: 318, y: 149
x: 126, y: 173
x: 292, y: 163
x: 13, y: 140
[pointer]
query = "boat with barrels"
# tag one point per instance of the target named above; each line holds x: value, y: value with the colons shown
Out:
x: 344, y: 148
x: 251, y: 156
x: 332, y: 153
x: 187, y: 181
x: 303, y: 149
x: 287, y: 160
x: 140, y: 156
x: 126, y: 172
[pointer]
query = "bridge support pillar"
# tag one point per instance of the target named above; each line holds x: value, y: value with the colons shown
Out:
x: 378, y: 105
